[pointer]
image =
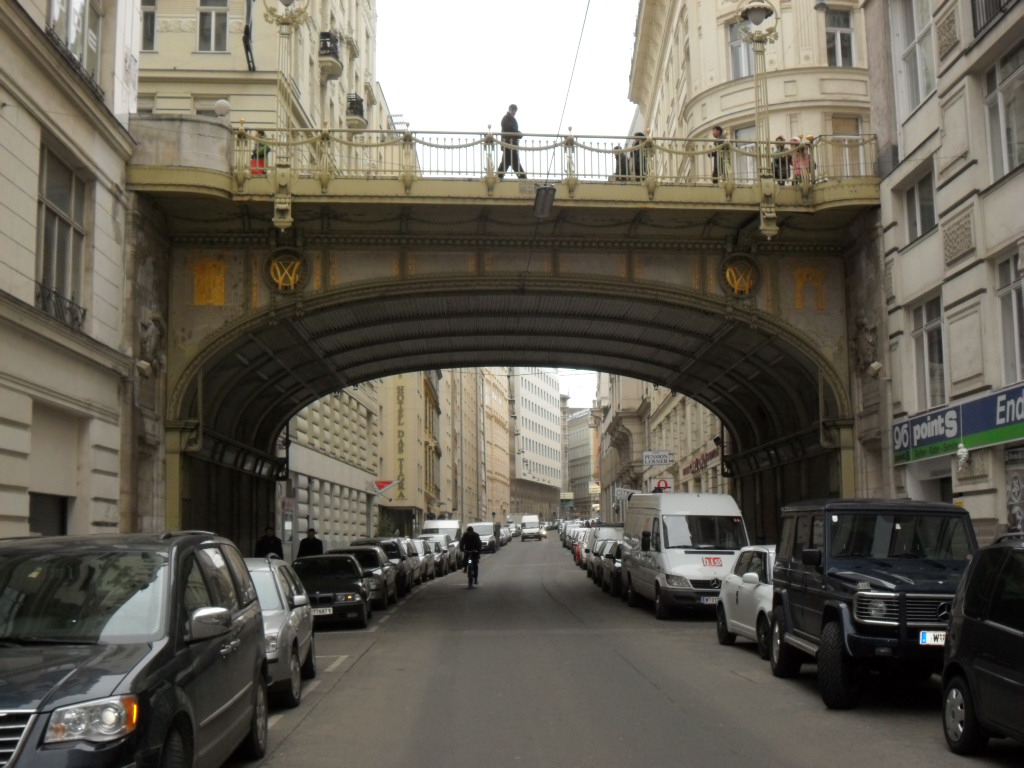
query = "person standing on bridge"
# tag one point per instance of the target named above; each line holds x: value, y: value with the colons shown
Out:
x: 718, y: 159
x: 510, y: 137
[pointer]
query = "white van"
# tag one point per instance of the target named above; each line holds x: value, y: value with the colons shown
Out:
x: 531, y: 528
x: 678, y: 547
x: 452, y: 527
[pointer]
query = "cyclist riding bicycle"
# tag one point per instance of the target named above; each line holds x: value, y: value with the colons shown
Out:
x: 471, y: 545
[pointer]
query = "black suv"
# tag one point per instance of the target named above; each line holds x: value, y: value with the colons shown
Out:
x: 983, y: 677
x: 863, y: 585
x: 129, y: 650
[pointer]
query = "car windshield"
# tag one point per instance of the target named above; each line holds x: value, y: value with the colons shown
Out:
x: 703, y: 531
x: 266, y: 590
x: 933, y: 537
x: 83, y: 597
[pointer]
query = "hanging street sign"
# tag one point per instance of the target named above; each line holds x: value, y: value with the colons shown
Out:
x: 657, y: 458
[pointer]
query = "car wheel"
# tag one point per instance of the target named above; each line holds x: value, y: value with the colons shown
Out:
x: 764, y: 636
x: 292, y: 695
x: 309, y: 665
x: 839, y: 674
x: 364, y: 620
x: 725, y: 637
x: 959, y: 723
x: 254, y: 746
x: 784, y: 658
x: 615, y: 588
x: 632, y: 599
x: 661, y: 609
x: 173, y: 753
x: 605, y: 586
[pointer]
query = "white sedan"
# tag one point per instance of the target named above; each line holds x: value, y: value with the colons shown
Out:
x: 745, y: 600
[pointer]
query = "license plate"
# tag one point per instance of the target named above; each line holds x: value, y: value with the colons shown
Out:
x: 933, y: 638
x: 323, y: 611
x: 709, y: 601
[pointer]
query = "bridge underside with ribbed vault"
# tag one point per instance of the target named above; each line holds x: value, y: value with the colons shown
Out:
x: 376, y: 278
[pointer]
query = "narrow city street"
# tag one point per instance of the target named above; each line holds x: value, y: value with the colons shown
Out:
x: 538, y: 667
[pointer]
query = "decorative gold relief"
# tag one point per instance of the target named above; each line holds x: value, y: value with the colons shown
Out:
x: 739, y: 276
x: 208, y: 288
x: 806, y: 276
x: 287, y: 270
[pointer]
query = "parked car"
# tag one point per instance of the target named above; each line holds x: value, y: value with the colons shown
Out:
x: 488, y: 542
x: 611, y: 573
x: 336, y: 588
x: 287, y: 627
x: 745, y: 602
x: 441, y: 555
x: 865, y: 584
x: 593, y: 535
x: 379, y: 573
x: 398, y: 553
x: 113, y: 650
x: 595, y: 565
x: 428, y: 563
x: 504, y: 535
x: 449, y: 547
x: 415, y: 561
x: 983, y: 673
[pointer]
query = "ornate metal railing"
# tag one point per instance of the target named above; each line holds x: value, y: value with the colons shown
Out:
x: 650, y: 161
x: 60, y: 307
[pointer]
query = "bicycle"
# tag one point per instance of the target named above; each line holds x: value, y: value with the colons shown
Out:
x: 472, y: 563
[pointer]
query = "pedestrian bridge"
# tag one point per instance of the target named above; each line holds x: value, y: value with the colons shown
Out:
x: 348, y: 256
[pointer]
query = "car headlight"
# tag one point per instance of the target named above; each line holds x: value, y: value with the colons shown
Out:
x: 101, y: 720
x: 677, y: 581
x: 372, y: 582
x: 876, y: 609
x: 270, y: 644
x: 351, y: 597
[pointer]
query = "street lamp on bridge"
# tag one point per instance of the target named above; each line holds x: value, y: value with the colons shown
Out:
x: 762, y: 18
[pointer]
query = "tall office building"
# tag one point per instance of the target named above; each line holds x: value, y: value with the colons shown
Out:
x: 537, y: 429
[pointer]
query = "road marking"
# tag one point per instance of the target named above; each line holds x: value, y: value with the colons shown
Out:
x: 274, y: 720
x: 338, y: 663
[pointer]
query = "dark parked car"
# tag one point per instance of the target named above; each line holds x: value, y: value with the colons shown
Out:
x: 381, y: 574
x: 865, y: 584
x: 398, y: 553
x: 288, y: 626
x: 130, y: 650
x: 983, y: 676
x: 449, y: 549
x: 336, y: 588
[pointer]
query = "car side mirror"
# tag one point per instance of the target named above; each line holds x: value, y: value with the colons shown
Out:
x: 645, y: 541
x: 298, y: 601
x: 751, y: 578
x: 811, y: 557
x: 208, y: 622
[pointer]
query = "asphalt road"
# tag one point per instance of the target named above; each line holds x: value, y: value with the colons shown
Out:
x: 538, y: 667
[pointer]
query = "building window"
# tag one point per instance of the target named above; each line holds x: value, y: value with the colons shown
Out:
x: 149, y: 25
x: 1004, y: 103
x: 920, y: 208
x: 741, y: 51
x: 986, y: 12
x: 61, y: 241
x: 1011, y: 312
x: 931, y: 371
x: 213, y: 25
x: 912, y: 34
x: 839, y: 38
x: 77, y: 24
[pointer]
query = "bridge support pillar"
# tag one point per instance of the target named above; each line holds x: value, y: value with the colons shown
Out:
x: 179, y: 441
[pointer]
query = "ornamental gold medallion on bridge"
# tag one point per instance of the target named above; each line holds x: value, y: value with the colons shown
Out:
x: 739, y: 275
x: 287, y: 270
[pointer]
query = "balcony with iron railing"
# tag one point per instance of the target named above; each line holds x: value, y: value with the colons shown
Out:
x: 355, y: 118
x: 330, y: 56
x: 60, y: 307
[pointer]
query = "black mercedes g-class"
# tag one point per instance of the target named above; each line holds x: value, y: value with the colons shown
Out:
x: 865, y: 584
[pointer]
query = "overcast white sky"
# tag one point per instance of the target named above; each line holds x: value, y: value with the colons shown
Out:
x: 456, y: 65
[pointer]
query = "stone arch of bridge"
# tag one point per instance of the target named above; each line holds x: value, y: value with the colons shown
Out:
x: 766, y: 380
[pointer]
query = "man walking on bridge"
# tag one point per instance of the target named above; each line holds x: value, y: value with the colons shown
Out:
x: 510, y: 135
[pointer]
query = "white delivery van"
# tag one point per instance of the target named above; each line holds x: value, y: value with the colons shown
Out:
x: 678, y: 547
x: 531, y: 528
